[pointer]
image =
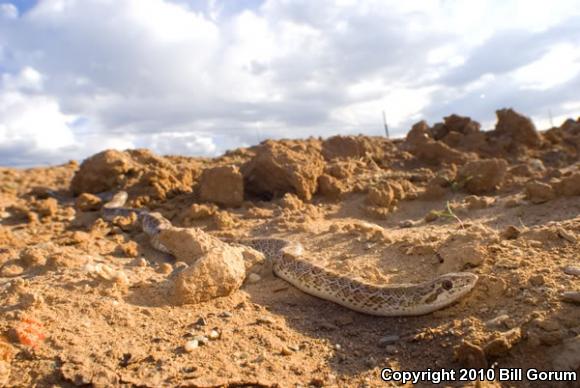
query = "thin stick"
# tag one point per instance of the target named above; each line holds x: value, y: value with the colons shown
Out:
x: 386, y: 125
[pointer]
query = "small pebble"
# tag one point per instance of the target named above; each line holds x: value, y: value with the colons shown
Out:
x: 497, y: 321
x: 285, y: 351
x: 214, y: 334
x: 200, y: 322
x: 431, y: 216
x: 511, y: 232
x: 180, y: 265
x: 327, y: 326
x: 165, y: 268
x: 294, y: 347
x: 407, y: 224
x: 190, y: 346
x: 265, y: 320
x: 537, y: 280
x: 337, y: 347
x: 225, y: 314
x: 141, y: 262
x: 121, y: 278
x: 201, y: 340
x: 254, y: 278
x: 506, y: 263
x: 388, y: 340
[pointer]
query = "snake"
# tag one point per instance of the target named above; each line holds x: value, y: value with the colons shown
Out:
x: 290, y: 264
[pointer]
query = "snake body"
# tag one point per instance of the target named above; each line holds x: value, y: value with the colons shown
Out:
x: 289, y: 264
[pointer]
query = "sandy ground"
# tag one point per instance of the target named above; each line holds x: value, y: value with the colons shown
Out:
x: 80, y: 301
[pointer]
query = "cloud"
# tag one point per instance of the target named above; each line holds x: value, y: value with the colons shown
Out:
x: 196, y: 78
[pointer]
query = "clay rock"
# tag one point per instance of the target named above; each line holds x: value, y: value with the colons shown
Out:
x: 470, y: 355
x: 188, y: 244
x: 381, y: 196
x: 140, y: 172
x: 569, y: 185
x: 101, y: 172
x: 538, y: 192
x: 222, y: 185
x: 530, y: 168
x: 88, y: 202
x: 455, y: 123
x: 439, y: 185
x: 473, y: 202
x: 32, y: 257
x: 501, y: 343
x: 46, y: 207
x: 419, y: 134
x: 519, y: 128
x: 482, y: 176
x: 419, y: 142
x: 330, y: 187
x: 346, y: 147
x: 461, y: 133
x: 459, y: 251
x: 277, y: 169
x: 571, y: 127
x: 218, y: 273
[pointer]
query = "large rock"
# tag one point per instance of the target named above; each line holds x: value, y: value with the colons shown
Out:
x: 140, y: 172
x: 218, y: 273
x: 569, y: 185
x: 188, y: 244
x: 482, y: 176
x: 215, y: 269
x: 538, y: 192
x: 455, y: 123
x: 222, y: 185
x: 344, y: 147
x: 419, y: 142
x: 460, y: 132
x: 518, y: 128
x: 331, y: 187
x: 101, y: 172
x: 277, y: 169
x: 383, y: 196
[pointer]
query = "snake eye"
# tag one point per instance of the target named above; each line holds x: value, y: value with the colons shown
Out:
x: 447, y: 284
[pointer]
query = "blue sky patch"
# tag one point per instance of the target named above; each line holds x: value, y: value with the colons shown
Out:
x: 24, y: 5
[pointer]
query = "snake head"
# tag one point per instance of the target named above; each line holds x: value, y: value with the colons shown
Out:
x: 445, y: 290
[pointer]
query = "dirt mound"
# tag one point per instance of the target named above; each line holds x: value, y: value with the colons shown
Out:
x: 222, y: 185
x: 460, y: 132
x: 515, y: 129
x: 421, y: 143
x: 458, y: 139
x: 140, y: 172
x: 352, y: 147
x: 482, y: 176
x: 278, y: 169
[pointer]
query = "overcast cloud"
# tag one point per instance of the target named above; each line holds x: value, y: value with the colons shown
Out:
x: 199, y: 77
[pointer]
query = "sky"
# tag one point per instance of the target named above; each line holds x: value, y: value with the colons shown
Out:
x: 197, y: 78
